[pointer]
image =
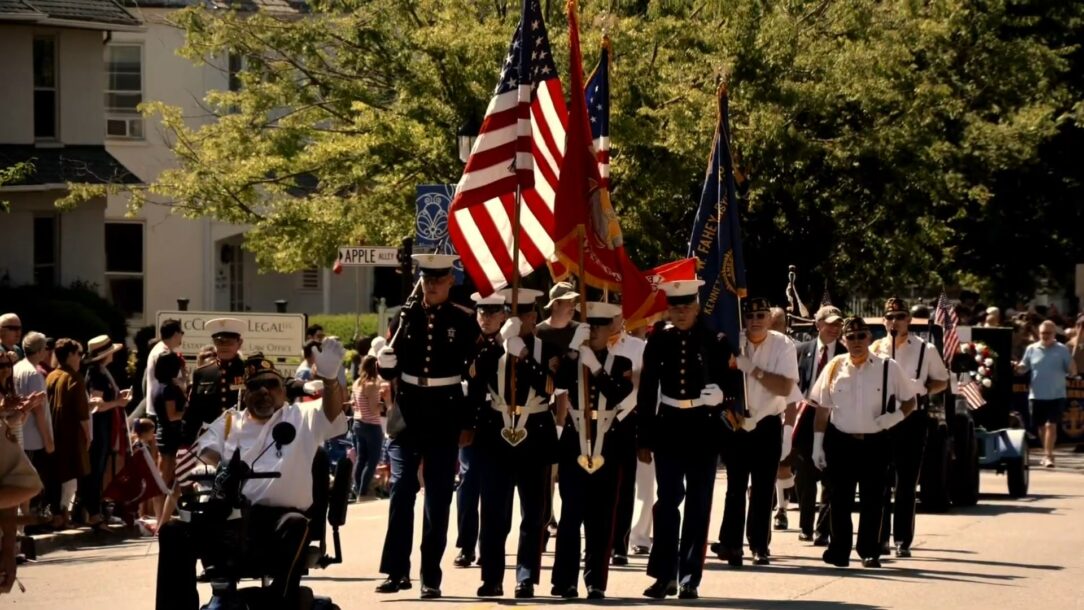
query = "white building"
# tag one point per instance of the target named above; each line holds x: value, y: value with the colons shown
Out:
x: 53, y: 118
x: 200, y: 260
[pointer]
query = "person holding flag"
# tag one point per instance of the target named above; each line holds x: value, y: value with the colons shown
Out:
x: 683, y: 383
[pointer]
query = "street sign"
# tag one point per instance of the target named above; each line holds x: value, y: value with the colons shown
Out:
x: 369, y: 256
x: 277, y: 335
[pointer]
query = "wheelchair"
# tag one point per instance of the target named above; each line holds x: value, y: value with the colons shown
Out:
x: 225, y: 561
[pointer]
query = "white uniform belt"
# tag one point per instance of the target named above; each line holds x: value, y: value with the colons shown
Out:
x: 536, y: 405
x: 681, y: 403
x: 430, y: 382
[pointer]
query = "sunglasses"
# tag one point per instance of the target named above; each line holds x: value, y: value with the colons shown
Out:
x: 856, y: 336
x: 760, y: 315
x: 12, y: 327
x: 263, y: 384
x: 896, y: 316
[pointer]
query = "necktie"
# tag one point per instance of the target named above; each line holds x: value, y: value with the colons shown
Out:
x: 823, y: 359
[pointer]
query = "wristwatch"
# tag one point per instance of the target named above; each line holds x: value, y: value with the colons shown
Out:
x: 759, y: 374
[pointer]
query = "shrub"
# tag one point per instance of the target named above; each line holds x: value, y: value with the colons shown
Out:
x: 342, y: 326
x: 76, y: 312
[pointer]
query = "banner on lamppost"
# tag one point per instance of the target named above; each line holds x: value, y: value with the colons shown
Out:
x: 431, y: 222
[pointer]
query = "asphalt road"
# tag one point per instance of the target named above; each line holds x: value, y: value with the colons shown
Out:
x: 1002, y: 553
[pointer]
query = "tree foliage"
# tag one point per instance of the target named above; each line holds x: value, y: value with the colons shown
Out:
x: 886, y: 145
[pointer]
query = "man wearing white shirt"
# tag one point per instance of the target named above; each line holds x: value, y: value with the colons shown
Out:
x: 171, y: 335
x: 637, y: 479
x: 278, y: 526
x: 859, y: 397
x: 752, y: 453
x: 922, y: 364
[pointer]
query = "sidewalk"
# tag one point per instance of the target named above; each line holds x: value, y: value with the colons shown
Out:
x: 41, y: 544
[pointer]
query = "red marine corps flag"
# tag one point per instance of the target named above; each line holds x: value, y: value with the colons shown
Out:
x: 514, y: 169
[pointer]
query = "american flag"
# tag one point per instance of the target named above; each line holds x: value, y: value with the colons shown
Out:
x: 972, y: 393
x: 520, y: 147
x: 598, y: 109
x: 186, y: 463
x: 946, y: 318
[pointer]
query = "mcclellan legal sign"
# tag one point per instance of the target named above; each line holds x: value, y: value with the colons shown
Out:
x: 277, y: 335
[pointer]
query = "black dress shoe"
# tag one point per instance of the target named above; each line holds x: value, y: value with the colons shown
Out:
x: 621, y: 560
x: 661, y: 589
x: 463, y: 560
x: 565, y: 592
x: 715, y: 547
x: 821, y: 540
x: 871, y: 562
x: 903, y: 552
x: 688, y: 592
x: 524, y: 590
x: 641, y: 550
x: 593, y: 593
x: 733, y: 557
x: 804, y: 537
x: 430, y: 592
x: 831, y: 559
x: 781, y: 521
x: 886, y: 548
x: 394, y: 585
x: 761, y: 559
x: 491, y: 590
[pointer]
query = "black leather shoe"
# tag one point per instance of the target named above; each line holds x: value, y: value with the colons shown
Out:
x: 567, y: 593
x: 886, y: 548
x: 621, y: 560
x: 903, y: 552
x: 733, y: 557
x: 524, y: 590
x: 839, y: 562
x: 491, y: 590
x: 593, y: 593
x: 641, y: 550
x: 463, y: 560
x: 821, y: 540
x: 761, y: 559
x: 688, y: 592
x: 430, y: 592
x: 661, y: 589
x: 394, y: 585
x: 804, y: 537
x: 781, y: 521
x: 871, y: 562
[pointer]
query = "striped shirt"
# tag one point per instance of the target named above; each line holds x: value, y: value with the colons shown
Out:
x: 363, y: 411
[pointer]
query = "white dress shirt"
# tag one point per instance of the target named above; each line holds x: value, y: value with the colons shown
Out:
x: 854, y: 393
x: 773, y: 355
x: 907, y: 355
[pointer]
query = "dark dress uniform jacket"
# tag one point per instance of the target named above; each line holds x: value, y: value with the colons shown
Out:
x: 615, y: 385
x: 434, y: 342
x: 541, y: 440
x: 680, y: 363
x: 215, y: 388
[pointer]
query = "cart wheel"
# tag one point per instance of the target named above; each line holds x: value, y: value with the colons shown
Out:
x: 1019, y: 475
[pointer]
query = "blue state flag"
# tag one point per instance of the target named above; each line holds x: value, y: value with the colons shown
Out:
x: 716, y: 237
x: 431, y: 222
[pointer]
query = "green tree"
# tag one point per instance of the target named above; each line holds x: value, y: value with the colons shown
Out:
x: 881, y: 141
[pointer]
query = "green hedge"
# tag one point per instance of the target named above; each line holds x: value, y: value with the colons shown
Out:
x: 77, y: 312
x: 342, y: 325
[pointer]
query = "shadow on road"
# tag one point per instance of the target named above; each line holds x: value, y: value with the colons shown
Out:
x: 889, y: 572
x: 703, y: 602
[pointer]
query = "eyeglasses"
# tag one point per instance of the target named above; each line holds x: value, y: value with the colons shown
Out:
x: 760, y: 315
x: 9, y: 327
x: 263, y: 384
x: 893, y: 317
x: 856, y: 336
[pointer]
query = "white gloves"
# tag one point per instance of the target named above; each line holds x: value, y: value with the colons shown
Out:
x: 329, y: 358
x: 589, y: 359
x: 712, y: 395
x: 745, y: 363
x: 887, y: 420
x: 386, y: 359
x: 580, y: 336
x: 514, y: 346
x: 788, y: 441
x: 818, y: 451
x: 511, y: 328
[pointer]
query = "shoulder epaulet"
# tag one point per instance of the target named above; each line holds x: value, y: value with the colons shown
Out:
x: 464, y: 309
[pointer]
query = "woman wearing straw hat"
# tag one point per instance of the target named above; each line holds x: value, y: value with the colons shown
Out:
x: 109, y: 443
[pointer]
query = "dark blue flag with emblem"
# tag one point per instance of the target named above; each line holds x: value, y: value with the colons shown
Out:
x: 716, y: 238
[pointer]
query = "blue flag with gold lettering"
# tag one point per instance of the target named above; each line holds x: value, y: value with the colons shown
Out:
x: 716, y: 238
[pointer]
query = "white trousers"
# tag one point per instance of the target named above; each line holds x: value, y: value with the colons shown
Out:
x: 645, y: 502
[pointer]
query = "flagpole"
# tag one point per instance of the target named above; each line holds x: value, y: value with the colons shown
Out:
x: 585, y: 392
x: 515, y: 296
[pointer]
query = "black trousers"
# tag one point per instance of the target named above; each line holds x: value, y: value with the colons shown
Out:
x: 276, y: 537
x: 588, y: 500
x: 626, y: 497
x: 499, y: 479
x: 860, y: 463
x: 752, y: 460
x: 683, y: 474
x: 467, y: 500
x: 810, y: 520
x: 908, y: 446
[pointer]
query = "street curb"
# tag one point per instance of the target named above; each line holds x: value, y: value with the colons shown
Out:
x: 42, y: 544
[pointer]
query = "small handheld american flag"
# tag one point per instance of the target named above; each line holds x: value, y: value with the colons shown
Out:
x: 972, y: 393
x: 946, y: 318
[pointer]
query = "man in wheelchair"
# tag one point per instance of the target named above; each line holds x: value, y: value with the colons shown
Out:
x: 271, y: 537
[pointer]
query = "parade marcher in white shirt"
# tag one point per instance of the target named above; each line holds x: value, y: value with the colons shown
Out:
x: 752, y: 454
x: 859, y: 396
x: 920, y: 362
x: 278, y: 525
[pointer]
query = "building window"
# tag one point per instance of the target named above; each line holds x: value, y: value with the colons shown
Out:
x: 124, y: 91
x: 45, y: 88
x: 124, y: 266
x: 310, y: 279
x: 46, y: 250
